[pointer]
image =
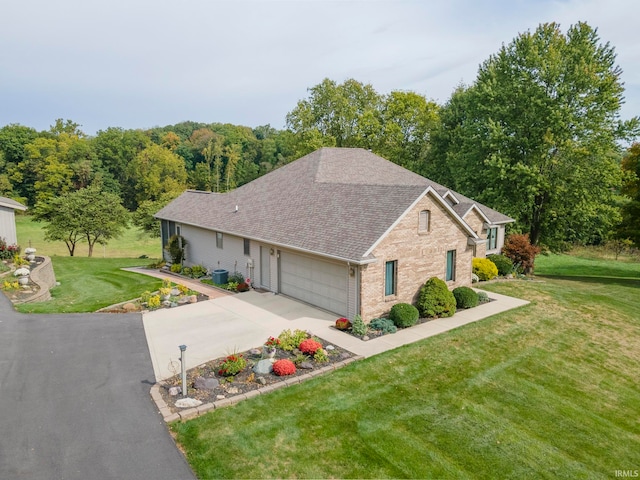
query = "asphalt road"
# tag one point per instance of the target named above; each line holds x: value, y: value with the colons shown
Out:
x: 75, y: 403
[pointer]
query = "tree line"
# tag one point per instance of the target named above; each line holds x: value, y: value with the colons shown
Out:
x: 538, y: 136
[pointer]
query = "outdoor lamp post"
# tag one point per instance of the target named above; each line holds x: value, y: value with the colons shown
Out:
x: 184, y: 369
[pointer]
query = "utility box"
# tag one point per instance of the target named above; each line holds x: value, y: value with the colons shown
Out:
x: 220, y: 276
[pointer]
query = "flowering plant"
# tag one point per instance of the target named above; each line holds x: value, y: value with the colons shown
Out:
x: 272, y: 342
x: 232, y: 365
x: 309, y: 346
x: 343, y: 324
x: 284, y: 367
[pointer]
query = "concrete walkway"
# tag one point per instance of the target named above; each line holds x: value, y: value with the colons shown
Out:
x: 240, y: 322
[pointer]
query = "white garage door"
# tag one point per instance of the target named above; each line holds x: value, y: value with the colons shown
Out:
x: 317, y: 282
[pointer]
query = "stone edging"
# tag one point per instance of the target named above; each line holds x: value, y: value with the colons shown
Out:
x: 186, y: 414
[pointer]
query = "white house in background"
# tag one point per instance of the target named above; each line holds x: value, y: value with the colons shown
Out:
x: 8, y: 219
x: 341, y: 228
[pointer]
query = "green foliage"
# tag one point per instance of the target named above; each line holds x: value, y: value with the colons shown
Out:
x: 629, y: 228
x: 465, y: 297
x: 236, y: 277
x: 435, y: 299
x: 404, y: 315
x: 175, y: 247
x: 198, y: 271
x: 89, y: 214
x: 144, y: 298
x: 291, y: 340
x: 231, y: 286
x: 321, y: 356
x: 358, y: 327
x: 176, y: 268
x: 536, y: 135
x: 521, y: 252
x: 503, y: 264
x: 484, y: 268
x: 483, y: 297
x: 383, y: 325
x: 8, y: 251
x: 232, y: 365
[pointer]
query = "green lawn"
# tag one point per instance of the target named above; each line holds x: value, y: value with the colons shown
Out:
x: 131, y: 244
x: 547, y: 391
x: 88, y: 284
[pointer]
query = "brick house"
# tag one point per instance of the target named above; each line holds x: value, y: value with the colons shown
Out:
x: 341, y: 228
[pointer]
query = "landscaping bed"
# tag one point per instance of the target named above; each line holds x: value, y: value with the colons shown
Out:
x: 213, y: 385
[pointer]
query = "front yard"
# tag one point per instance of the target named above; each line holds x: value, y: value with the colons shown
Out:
x: 546, y: 391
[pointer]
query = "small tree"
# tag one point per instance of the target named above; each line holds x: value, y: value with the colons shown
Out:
x: 518, y: 248
x: 435, y: 299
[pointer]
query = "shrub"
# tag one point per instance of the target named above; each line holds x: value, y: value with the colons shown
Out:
x: 484, y: 268
x: 309, y: 346
x: 465, y: 297
x: 186, y: 271
x: 518, y: 248
x: 383, y: 324
x: 183, y: 289
x: 243, y: 287
x: 504, y: 264
x: 197, y: 271
x: 176, y: 268
x: 358, y: 327
x: 404, y: 315
x: 153, y: 302
x: 482, y: 297
x: 343, y: 324
x: 284, y: 367
x: 289, y: 341
x: 175, y: 247
x: 321, y: 356
x: 144, y: 298
x: 232, y: 365
x: 435, y: 299
x: 231, y: 286
x: 236, y: 277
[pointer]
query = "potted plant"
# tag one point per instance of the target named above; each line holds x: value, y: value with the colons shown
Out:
x: 30, y: 253
x: 269, y: 348
x: 23, y: 275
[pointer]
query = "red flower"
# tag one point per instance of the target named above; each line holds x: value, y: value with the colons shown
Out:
x: 309, y: 346
x: 284, y: 367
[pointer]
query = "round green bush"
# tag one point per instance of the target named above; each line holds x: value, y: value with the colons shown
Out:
x: 465, y: 297
x: 484, y: 268
x: 435, y: 299
x: 404, y: 315
x: 503, y: 263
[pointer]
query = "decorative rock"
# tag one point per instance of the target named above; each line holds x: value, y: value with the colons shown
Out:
x: 255, y: 351
x: 329, y: 347
x: 263, y: 367
x: 182, y: 300
x: 129, y: 307
x: 173, y: 304
x: 296, y: 352
x: 220, y: 397
x: 188, y: 403
x: 233, y: 390
x: 193, y: 299
x: 261, y: 380
x: 204, y: 383
x: 175, y: 292
x: 173, y: 391
x: 365, y: 338
x: 306, y: 365
x: 344, y: 355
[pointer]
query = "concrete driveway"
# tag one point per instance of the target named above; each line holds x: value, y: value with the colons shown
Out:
x: 223, y: 325
x: 74, y: 400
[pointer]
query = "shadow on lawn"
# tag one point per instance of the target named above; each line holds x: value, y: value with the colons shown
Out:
x: 618, y: 281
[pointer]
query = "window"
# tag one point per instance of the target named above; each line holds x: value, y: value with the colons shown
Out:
x: 451, y: 265
x: 247, y: 247
x: 423, y: 223
x: 390, y: 272
x: 492, y: 238
x: 219, y: 239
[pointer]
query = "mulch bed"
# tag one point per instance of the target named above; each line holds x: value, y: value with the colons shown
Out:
x: 246, y: 380
x: 120, y: 308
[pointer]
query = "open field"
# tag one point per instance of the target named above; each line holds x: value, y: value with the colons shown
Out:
x: 131, y: 244
x: 546, y: 391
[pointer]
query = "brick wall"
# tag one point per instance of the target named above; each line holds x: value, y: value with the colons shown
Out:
x: 420, y: 256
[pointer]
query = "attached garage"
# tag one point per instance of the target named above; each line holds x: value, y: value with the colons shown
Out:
x: 317, y: 282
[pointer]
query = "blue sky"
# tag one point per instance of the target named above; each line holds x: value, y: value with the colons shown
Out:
x: 144, y: 63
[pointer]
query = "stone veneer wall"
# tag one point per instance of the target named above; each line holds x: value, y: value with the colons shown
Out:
x: 420, y: 256
x: 44, y: 276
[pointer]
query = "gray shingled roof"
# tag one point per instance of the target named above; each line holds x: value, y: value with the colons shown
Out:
x: 335, y: 201
x: 7, y: 202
